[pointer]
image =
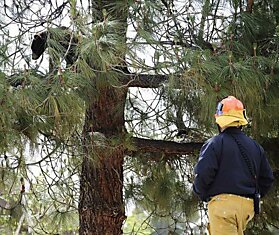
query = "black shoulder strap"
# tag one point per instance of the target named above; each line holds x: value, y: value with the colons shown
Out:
x: 247, y: 161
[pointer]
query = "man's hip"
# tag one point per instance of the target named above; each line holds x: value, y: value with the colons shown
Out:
x: 229, y: 214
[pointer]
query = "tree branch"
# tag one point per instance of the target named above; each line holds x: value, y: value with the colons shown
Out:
x: 144, y: 80
x: 270, y: 144
x: 166, y: 147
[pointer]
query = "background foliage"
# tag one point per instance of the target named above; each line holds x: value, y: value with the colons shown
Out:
x: 206, y: 49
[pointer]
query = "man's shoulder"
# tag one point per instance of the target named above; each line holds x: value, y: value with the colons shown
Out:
x: 217, y: 139
x: 251, y: 140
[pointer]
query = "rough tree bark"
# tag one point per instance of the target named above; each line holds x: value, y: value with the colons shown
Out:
x: 101, y: 206
x: 166, y: 147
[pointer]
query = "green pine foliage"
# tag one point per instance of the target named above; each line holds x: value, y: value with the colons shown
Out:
x: 208, y: 50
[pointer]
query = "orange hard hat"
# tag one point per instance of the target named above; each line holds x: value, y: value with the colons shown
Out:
x: 230, y: 112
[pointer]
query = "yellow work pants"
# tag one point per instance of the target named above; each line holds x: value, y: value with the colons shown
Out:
x: 229, y: 214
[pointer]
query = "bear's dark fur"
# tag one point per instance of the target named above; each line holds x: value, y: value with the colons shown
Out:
x: 66, y: 41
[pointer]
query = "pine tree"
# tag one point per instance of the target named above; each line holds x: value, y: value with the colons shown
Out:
x: 131, y: 108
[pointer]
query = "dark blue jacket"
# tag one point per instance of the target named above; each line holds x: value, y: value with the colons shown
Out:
x: 222, y: 169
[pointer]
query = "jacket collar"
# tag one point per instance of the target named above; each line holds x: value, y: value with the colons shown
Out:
x: 232, y: 130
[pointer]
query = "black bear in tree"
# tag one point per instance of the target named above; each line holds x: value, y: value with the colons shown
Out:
x: 60, y: 39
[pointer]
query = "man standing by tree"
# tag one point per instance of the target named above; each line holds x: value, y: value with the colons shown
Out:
x: 232, y: 172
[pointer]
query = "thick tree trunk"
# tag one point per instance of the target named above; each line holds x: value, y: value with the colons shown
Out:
x: 101, y: 206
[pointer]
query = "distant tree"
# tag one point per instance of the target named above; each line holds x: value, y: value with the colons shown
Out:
x: 125, y: 119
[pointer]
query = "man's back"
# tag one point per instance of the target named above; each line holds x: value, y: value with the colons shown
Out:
x: 231, y: 170
x: 231, y: 173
